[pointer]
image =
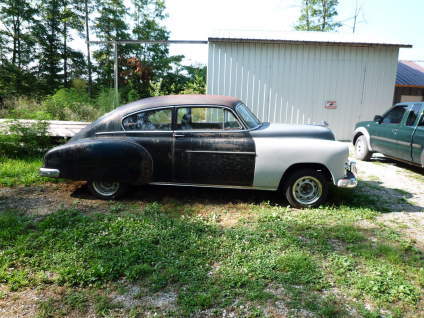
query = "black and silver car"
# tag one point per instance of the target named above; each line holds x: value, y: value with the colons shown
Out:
x: 205, y: 141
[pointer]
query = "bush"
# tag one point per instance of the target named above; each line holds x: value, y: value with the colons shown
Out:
x: 24, y: 108
x: 25, y: 139
x: 70, y: 104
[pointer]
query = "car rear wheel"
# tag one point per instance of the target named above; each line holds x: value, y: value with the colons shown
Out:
x: 307, y: 188
x: 362, y: 151
x: 107, y: 190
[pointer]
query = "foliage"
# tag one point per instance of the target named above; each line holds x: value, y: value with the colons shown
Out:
x: 272, y: 252
x: 36, y: 59
x: 22, y: 171
x: 318, y: 15
x: 25, y: 139
x: 70, y: 104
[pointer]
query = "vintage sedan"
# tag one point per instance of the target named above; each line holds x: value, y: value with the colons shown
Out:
x: 202, y: 141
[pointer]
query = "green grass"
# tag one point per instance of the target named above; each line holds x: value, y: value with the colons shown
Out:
x: 24, y: 171
x: 312, y: 256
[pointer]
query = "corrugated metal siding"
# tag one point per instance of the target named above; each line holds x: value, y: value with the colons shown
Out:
x: 291, y: 83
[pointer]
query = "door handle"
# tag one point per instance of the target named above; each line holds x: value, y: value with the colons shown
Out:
x: 178, y: 135
x: 395, y: 131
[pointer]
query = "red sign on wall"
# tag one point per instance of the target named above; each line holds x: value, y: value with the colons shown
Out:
x: 331, y: 104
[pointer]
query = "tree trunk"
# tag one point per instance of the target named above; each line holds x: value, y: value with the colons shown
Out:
x: 324, y: 15
x: 87, y: 40
x: 65, y: 54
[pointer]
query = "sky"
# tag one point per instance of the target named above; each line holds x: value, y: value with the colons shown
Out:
x: 391, y: 20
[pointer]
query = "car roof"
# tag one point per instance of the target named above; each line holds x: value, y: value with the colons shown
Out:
x: 170, y: 100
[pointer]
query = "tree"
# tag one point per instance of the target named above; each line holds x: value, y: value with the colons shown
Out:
x: 48, y: 34
x: 70, y: 20
x: 16, y: 40
x: 318, y: 15
x: 110, y: 25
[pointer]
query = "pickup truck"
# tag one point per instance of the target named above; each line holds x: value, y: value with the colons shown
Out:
x: 398, y: 134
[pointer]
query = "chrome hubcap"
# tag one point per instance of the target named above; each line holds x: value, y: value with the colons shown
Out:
x: 106, y: 188
x: 307, y: 190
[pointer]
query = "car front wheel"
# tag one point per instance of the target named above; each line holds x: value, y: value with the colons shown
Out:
x: 307, y: 188
x: 362, y: 151
x: 107, y: 190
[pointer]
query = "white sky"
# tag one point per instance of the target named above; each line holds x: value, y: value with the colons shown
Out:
x: 398, y: 21
x: 393, y: 20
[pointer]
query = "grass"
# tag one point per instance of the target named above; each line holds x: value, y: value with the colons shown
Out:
x: 23, y: 171
x: 316, y: 261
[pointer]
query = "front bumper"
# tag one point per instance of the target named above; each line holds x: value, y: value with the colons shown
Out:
x: 51, y: 173
x: 350, y: 180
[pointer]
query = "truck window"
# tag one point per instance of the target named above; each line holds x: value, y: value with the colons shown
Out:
x: 395, y: 115
x: 413, y: 114
x: 421, y: 123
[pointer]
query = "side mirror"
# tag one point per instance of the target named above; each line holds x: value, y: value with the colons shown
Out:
x: 378, y: 119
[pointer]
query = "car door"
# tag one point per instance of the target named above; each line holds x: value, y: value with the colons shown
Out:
x: 152, y: 129
x: 404, y: 135
x: 384, y: 135
x: 418, y: 141
x: 212, y: 147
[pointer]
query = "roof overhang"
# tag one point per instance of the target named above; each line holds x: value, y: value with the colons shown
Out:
x: 304, y: 38
x: 300, y: 42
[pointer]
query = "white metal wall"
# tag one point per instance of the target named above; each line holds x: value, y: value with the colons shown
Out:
x: 291, y: 83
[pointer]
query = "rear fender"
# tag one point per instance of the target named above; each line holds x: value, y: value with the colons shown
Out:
x: 102, y: 159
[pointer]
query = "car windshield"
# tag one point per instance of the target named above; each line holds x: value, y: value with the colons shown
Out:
x: 248, y: 117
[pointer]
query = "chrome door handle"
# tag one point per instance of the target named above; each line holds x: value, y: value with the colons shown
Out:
x: 178, y: 135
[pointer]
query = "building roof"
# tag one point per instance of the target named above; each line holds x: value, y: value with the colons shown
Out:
x: 302, y: 37
x: 409, y: 74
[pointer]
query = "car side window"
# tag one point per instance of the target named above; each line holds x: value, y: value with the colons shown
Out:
x: 160, y: 120
x: 421, y: 123
x: 394, y: 116
x: 413, y: 114
x: 206, y: 118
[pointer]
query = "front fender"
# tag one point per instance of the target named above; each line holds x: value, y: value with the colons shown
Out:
x: 362, y: 131
x: 275, y: 156
x: 102, y: 159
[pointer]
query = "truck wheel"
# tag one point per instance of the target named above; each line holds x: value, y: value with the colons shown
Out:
x: 107, y: 190
x: 362, y: 151
x: 306, y: 188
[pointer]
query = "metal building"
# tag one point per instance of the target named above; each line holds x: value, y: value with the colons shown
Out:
x: 305, y: 77
x: 409, y: 82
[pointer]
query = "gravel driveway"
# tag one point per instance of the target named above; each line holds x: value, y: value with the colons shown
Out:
x: 400, y: 189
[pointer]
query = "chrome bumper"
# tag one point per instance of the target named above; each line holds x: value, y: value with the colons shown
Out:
x: 350, y: 180
x: 51, y: 173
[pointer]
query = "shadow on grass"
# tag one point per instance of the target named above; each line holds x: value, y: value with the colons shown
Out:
x: 385, y: 160
x: 359, y: 197
x: 209, y: 265
x: 374, y: 195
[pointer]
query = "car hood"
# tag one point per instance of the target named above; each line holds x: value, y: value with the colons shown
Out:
x: 364, y: 124
x: 294, y: 131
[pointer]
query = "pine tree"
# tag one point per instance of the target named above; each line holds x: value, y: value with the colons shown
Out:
x: 318, y: 15
x: 110, y: 25
x: 47, y: 32
x: 71, y: 19
x: 16, y: 41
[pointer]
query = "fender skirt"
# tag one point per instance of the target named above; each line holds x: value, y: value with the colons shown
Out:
x: 102, y: 159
